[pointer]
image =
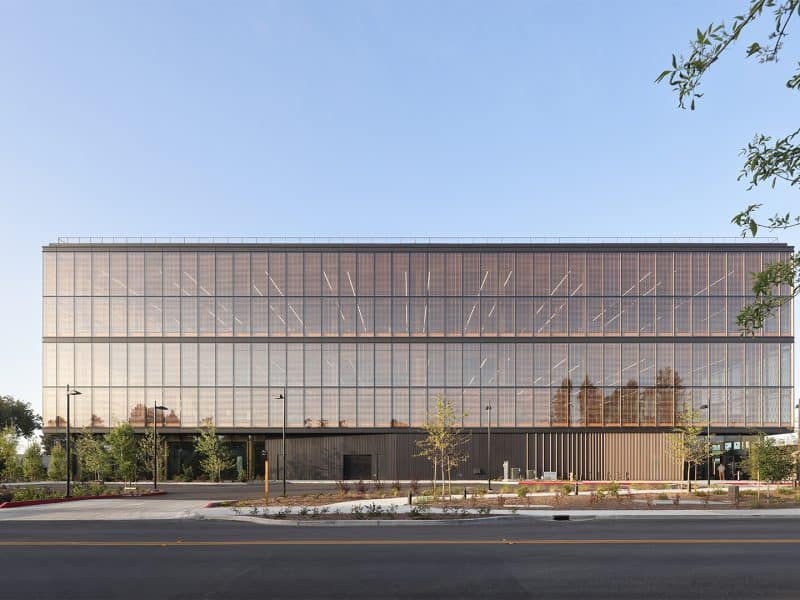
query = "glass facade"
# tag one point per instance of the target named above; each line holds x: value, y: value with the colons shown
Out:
x: 362, y: 337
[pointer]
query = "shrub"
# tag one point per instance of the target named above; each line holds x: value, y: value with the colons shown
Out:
x: 611, y: 488
x: 361, y: 487
x: 186, y: 474
x: 378, y: 486
x: 93, y: 488
x: 522, y: 491
x: 505, y: 489
x: 33, y: 493
x: 343, y: 487
x: 566, y: 489
x: 419, y: 511
x: 662, y: 496
x: 57, y: 470
x: 32, y: 468
x: 10, y: 468
x: 414, y: 485
x: 396, y: 487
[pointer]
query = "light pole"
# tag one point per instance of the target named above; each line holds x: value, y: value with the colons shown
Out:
x: 283, y: 438
x: 488, y: 410
x: 708, y: 444
x: 72, y: 392
x: 156, y: 407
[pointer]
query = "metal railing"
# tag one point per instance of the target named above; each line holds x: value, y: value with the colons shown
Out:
x: 413, y: 240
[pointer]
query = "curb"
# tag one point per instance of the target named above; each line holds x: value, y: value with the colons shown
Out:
x: 352, y: 522
x: 21, y: 503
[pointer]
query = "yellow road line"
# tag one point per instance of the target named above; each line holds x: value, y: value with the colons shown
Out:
x: 577, y: 542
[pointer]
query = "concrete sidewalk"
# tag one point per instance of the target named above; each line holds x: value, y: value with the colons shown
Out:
x: 116, y: 509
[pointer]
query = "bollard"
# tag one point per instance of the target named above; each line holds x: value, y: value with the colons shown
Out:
x: 409, y: 497
x: 465, y: 493
x: 576, y: 488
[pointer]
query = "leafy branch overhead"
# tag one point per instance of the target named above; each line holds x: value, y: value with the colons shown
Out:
x: 710, y: 43
x: 767, y: 160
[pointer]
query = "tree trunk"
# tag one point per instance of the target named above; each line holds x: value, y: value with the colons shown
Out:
x: 688, y: 476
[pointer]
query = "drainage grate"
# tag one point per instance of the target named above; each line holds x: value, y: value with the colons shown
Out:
x: 560, y: 517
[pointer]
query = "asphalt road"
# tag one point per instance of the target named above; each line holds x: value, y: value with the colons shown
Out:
x: 515, y: 558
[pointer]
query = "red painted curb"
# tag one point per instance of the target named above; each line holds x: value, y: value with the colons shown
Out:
x: 18, y: 503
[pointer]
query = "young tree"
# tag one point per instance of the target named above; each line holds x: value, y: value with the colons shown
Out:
x: 768, y: 160
x: 92, y: 455
x: 146, y: 454
x: 19, y: 415
x: 123, y: 451
x: 57, y: 469
x: 215, y: 455
x: 767, y: 462
x: 9, y: 463
x: 443, y: 444
x: 688, y: 445
x: 32, y: 467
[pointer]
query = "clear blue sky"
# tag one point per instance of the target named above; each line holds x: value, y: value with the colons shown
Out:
x: 360, y: 118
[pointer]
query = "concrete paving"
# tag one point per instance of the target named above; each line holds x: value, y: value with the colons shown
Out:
x: 116, y: 509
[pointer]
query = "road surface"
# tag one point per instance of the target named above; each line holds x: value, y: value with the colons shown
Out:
x: 511, y: 558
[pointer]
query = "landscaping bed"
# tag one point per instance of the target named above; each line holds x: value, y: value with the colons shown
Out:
x: 611, y: 497
x: 362, y: 513
x: 30, y: 496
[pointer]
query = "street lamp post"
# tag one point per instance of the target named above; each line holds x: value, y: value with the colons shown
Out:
x: 708, y: 444
x: 72, y: 392
x: 283, y: 439
x: 156, y: 407
x: 488, y: 410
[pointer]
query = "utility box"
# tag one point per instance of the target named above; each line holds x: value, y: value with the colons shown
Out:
x: 515, y: 473
x: 505, y: 470
x: 550, y: 476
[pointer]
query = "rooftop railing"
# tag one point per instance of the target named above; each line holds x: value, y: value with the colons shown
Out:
x: 414, y: 240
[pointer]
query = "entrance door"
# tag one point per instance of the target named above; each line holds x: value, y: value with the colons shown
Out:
x: 357, y: 466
